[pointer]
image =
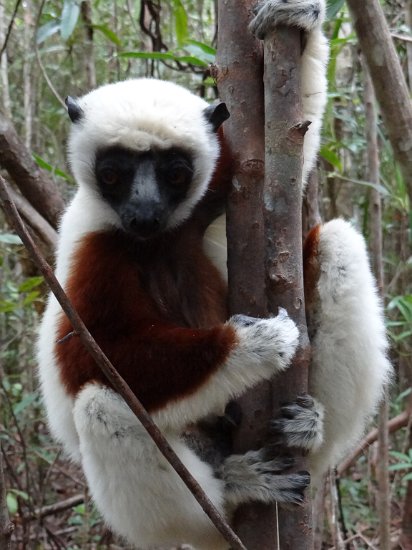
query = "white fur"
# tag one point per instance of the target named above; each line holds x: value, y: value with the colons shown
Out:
x: 141, y: 114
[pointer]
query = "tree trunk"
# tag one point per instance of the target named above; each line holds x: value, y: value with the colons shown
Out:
x: 38, y: 188
x: 239, y: 78
x: 6, y: 527
x: 375, y: 245
x: 388, y: 80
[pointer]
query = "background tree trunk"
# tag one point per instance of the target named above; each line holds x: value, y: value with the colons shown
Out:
x: 388, y: 79
x: 376, y: 248
x: 6, y: 527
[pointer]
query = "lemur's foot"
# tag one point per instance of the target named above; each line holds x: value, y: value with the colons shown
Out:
x: 250, y: 477
x: 300, y: 424
x: 304, y: 14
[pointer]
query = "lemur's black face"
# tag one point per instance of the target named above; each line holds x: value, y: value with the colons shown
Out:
x: 143, y: 188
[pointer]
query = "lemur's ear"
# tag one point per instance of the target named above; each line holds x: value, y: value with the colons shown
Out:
x: 73, y: 108
x: 216, y: 114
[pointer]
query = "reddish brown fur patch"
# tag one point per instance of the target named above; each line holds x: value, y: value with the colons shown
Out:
x: 311, y: 272
x: 138, y: 302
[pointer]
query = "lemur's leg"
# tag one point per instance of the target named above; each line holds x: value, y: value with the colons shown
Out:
x: 136, y: 490
x: 307, y: 15
x: 346, y: 327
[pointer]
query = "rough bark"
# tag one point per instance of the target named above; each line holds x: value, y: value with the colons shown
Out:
x: 239, y: 78
x: 388, y: 79
x: 38, y: 188
x: 282, y: 207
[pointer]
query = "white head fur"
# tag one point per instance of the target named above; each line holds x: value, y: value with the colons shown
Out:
x: 140, y: 114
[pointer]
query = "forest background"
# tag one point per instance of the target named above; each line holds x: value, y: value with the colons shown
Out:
x: 51, y: 49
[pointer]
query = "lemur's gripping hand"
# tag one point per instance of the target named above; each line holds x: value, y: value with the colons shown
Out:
x: 267, y: 343
x: 304, y: 14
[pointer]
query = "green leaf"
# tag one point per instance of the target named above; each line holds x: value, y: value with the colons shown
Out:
x: 24, y: 403
x: 382, y: 190
x: 398, y: 455
x: 180, y: 16
x: 202, y: 46
x: 164, y: 56
x: 30, y: 283
x: 148, y: 55
x: 192, y: 60
x: 331, y: 157
x: 9, y: 238
x: 206, y: 54
x: 333, y: 7
x: 12, y: 504
x: 30, y: 297
x: 47, y: 30
x: 46, y: 166
x: 22, y: 494
x: 112, y: 36
x: 407, y: 477
x: 400, y: 466
x: 7, y: 307
x: 70, y: 15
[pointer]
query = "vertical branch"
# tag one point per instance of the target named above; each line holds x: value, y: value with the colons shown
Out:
x: 86, y: 12
x: 4, y: 78
x: 376, y: 247
x: 282, y: 207
x: 28, y: 38
x: 239, y: 79
x: 258, y: 277
x: 384, y: 66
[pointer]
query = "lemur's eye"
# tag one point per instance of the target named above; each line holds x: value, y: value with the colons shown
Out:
x: 109, y: 176
x: 179, y: 175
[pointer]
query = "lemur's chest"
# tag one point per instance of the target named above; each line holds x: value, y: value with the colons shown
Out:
x: 185, y: 285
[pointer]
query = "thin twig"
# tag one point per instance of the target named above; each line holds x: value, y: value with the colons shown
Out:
x: 56, y: 508
x: 404, y: 37
x: 394, y: 424
x: 13, y: 17
x: 40, y: 62
x: 112, y: 375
